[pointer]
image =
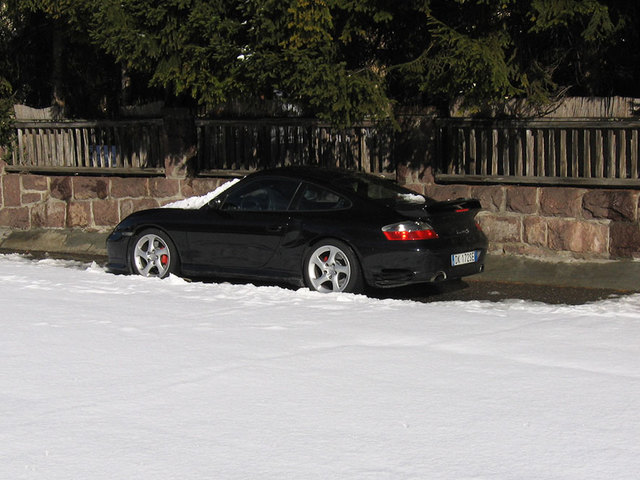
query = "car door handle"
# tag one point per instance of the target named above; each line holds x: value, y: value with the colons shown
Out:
x: 275, y: 228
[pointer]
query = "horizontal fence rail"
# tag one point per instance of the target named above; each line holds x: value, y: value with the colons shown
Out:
x: 89, y: 146
x: 587, y: 152
x: 228, y: 145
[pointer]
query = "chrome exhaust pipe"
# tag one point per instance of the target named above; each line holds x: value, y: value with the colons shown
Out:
x: 439, y: 277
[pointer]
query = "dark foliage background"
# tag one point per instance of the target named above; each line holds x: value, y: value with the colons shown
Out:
x: 336, y: 60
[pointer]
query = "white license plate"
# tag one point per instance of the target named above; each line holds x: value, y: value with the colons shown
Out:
x: 464, y: 258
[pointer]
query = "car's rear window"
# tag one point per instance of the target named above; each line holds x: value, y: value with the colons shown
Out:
x: 313, y: 197
x: 381, y: 190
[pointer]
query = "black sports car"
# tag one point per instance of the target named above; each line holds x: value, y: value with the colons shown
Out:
x: 331, y: 230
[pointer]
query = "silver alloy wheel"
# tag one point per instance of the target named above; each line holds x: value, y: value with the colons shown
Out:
x: 329, y: 269
x: 152, y: 256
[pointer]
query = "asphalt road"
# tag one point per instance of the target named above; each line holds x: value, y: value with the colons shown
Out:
x: 467, y: 290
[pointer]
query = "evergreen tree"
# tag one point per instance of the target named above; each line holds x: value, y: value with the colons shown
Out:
x: 490, y: 51
x: 51, y: 60
x: 298, y: 53
x: 339, y: 60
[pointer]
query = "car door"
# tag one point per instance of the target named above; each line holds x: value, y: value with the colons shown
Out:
x: 245, y: 230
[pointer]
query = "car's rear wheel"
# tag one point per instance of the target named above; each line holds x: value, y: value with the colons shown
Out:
x: 332, y: 266
x: 154, y: 254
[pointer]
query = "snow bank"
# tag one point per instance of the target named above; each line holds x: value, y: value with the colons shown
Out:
x: 105, y: 377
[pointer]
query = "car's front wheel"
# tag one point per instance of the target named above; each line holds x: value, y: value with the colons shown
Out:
x: 332, y: 266
x: 154, y: 254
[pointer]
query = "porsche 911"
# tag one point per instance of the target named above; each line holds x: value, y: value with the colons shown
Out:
x: 328, y: 230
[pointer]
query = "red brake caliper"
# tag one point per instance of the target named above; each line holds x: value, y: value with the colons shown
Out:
x: 164, y: 259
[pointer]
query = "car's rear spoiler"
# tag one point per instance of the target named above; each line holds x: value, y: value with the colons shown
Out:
x: 459, y: 205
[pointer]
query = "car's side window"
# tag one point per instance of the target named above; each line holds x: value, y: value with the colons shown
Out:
x: 268, y: 194
x: 313, y: 197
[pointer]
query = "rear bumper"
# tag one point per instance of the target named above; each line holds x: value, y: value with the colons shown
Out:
x: 419, y: 265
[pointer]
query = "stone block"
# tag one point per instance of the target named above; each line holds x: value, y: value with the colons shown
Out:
x: 535, y: 231
x: 448, y: 192
x: 128, y: 206
x: 35, y: 182
x: 195, y: 187
x: 79, y: 215
x: 129, y: 187
x: 625, y: 239
x: 52, y: 214
x: 524, y: 249
x: 164, y: 188
x: 496, y: 248
x: 561, y: 202
x: 38, y: 215
x: 61, y: 188
x: 611, y: 204
x: 578, y: 237
x: 407, y: 174
x: 491, y: 197
x: 427, y: 176
x: 502, y: 229
x: 106, y: 213
x: 415, y: 187
x: 86, y: 188
x: 522, y: 199
x: 56, y: 214
x: 15, y: 217
x: 31, y: 197
x: 179, y: 166
x: 11, y: 190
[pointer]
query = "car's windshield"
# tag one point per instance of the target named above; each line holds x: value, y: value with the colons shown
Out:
x: 381, y: 190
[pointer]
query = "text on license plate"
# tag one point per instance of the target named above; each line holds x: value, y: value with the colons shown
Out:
x: 464, y: 258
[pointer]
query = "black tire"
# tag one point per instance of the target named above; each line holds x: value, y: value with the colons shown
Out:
x: 332, y: 266
x: 153, y: 254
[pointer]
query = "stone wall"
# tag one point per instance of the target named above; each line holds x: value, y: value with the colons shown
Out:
x: 87, y: 202
x: 547, y: 221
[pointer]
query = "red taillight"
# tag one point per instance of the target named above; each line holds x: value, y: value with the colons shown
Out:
x: 418, y: 235
x: 462, y: 210
x: 478, y: 227
x: 409, y: 231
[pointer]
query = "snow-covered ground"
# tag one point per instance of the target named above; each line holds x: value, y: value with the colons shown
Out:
x: 120, y: 377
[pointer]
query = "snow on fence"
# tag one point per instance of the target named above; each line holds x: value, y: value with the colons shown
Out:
x: 233, y: 145
x: 549, y: 151
x: 104, y: 146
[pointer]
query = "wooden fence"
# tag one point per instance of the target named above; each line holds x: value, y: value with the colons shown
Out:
x: 105, y: 147
x: 580, y: 152
x: 242, y: 146
x: 549, y: 151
